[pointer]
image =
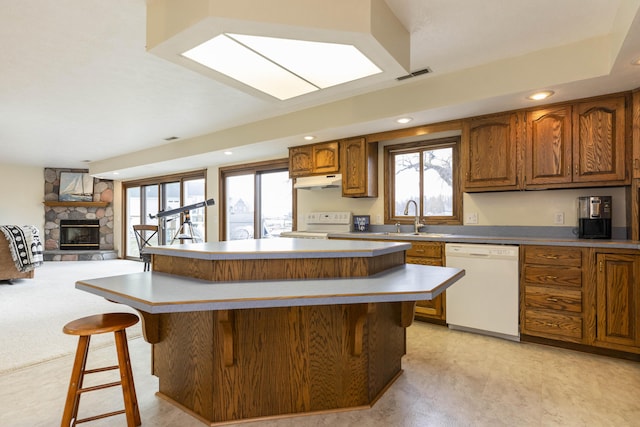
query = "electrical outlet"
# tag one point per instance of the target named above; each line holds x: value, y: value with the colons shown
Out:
x: 472, y: 218
x: 558, y: 218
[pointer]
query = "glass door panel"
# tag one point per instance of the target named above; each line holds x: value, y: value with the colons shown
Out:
x: 275, y: 204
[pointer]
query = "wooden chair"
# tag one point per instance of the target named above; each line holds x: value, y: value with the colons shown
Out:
x: 143, y: 240
x: 100, y: 324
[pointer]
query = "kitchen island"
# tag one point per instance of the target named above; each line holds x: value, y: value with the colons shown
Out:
x: 295, y: 326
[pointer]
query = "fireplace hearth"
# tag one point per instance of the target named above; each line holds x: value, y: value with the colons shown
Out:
x: 79, y: 234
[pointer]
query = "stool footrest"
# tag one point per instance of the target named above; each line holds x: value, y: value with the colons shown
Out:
x: 101, y: 416
x: 99, y: 387
x: 94, y: 371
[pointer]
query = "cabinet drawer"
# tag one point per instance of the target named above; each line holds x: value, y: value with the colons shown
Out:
x: 428, y: 250
x: 549, y: 275
x: 424, y: 261
x: 561, y: 325
x: 538, y: 297
x: 551, y: 255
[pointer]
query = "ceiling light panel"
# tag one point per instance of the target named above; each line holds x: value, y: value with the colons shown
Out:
x: 322, y: 64
x: 228, y: 57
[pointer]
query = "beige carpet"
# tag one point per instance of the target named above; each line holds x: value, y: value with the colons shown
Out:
x: 33, y: 311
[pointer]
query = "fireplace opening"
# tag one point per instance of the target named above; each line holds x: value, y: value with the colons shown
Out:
x: 79, y: 234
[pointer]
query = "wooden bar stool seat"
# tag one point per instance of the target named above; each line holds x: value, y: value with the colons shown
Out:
x: 101, y: 324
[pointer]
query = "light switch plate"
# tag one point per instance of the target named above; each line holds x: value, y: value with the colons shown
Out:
x: 472, y: 218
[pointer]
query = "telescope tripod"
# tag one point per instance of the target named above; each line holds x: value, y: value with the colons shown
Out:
x: 185, y: 227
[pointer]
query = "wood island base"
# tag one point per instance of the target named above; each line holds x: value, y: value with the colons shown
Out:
x: 227, y: 366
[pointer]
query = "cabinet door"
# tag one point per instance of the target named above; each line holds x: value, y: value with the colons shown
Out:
x: 618, y: 300
x: 325, y: 157
x: 359, y: 168
x: 548, y: 155
x: 300, y: 161
x: 599, y: 141
x: 428, y: 253
x: 489, y: 153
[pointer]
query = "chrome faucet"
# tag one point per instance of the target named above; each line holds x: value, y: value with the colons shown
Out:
x: 416, y: 223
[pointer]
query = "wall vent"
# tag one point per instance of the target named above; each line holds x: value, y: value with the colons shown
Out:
x: 415, y: 74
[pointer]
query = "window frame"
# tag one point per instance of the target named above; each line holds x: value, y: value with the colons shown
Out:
x: 389, y: 181
x: 257, y: 168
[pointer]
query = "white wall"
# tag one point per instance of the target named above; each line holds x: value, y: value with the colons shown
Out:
x: 21, y: 195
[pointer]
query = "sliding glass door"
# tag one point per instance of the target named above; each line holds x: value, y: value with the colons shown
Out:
x: 146, y: 198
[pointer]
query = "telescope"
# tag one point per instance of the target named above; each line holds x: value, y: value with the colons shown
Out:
x: 187, y: 208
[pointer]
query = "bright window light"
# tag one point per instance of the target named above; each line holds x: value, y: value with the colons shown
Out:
x: 232, y: 59
x: 283, y: 68
x: 323, y: 64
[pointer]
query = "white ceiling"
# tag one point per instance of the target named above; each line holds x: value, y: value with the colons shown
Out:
x: 77, y: 84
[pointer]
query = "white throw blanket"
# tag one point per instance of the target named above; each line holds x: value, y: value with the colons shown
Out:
x: 26, y: 248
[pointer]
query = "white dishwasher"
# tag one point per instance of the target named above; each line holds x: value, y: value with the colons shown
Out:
x: 485, y: 300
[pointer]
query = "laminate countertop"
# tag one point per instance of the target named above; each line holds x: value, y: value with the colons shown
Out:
x: 154, y: 292
x: 282, y: 248
x: 496, y: 240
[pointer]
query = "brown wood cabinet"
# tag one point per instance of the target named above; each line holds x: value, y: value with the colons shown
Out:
x: 548, y: 152
x: 618, y: 301
x: 561, y: 146
x: 489, y: 152
x: 599, y: 141
x: 552, y: 292
x: 359, y: 167
x: 429, y: 253
x: 577, y: 144
x: 314, y: 159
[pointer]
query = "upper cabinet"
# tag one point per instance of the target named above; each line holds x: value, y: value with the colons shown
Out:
x: 354, y: 158
x: 359, y: 167
x: 599, y: 141
x: 489, y: 152
x: 315, y: 159
x: 582, y: 144
x: 548, y: 151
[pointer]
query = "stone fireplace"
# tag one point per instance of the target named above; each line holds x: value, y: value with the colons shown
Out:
x: 63, y: 243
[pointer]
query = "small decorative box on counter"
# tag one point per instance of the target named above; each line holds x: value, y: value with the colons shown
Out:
x: 361, y: 222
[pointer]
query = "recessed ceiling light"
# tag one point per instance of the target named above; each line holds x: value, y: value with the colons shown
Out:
x: 404, y: 120
x: 309, y: 137
x: 228, y: 153
x: 539, y: 96
x: 282, y: 68
x: 116, y: 173
x: 636, y: 62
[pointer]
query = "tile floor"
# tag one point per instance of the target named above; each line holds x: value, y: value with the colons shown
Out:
x: 451, y: 378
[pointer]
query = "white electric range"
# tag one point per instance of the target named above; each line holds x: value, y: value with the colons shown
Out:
x: 318, y: 225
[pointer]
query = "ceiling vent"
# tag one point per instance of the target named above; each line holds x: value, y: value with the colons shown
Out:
x: 415, y: 74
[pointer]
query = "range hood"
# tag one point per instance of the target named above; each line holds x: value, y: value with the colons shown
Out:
x: 318, y: 182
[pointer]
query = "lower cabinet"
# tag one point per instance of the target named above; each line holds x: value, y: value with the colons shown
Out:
x: 618, y: 300
x: 587, y: 296
x: 552, y: 293
x: 429, y: 253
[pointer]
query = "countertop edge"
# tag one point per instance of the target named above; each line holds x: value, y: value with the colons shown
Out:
x: 456, y: 238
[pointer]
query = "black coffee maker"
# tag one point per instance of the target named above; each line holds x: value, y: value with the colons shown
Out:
x: 594, y: 217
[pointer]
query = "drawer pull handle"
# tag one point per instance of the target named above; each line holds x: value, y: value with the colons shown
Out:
x: 552, y: 325
x: 420, y: 250
x: 552, y: 299
x: 550, y: 256
x: 551, y: 277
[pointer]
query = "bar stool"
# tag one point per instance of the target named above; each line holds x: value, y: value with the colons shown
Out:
x: 100, y: 324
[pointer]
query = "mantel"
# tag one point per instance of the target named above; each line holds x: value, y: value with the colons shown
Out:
x: 54, y: 203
